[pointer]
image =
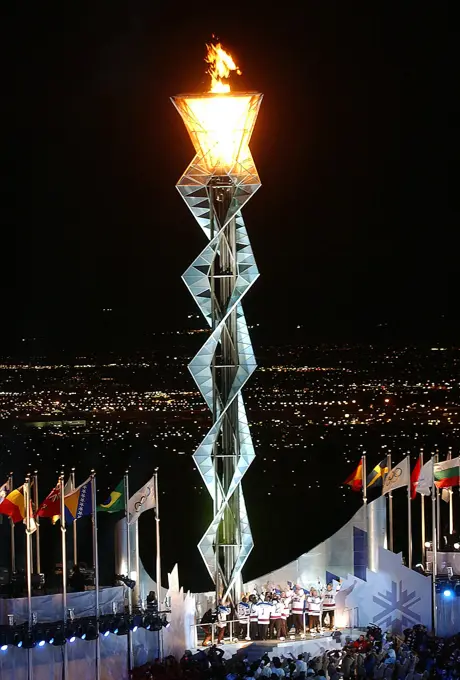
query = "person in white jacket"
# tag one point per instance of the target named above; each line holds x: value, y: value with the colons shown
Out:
x: 285, y: 615
x: 223, y: 610
x: 253, y: 617
x: 263, y: 610
x: 275, y: 618
x: 243, y: 618
x: 329, y: 605
x: 314, y: 610
x: 297, y: 609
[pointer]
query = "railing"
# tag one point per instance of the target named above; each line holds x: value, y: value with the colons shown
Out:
x: 230, y: 624
x: 213, y: 626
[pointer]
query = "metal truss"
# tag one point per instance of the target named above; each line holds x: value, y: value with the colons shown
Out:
x: 218, y: 279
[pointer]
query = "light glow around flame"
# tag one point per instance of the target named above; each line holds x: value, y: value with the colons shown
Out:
x: 220, y: 65
x: 219, y: 123
x: 220, y: 126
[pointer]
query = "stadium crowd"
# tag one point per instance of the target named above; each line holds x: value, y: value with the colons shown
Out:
x: 416, y: 655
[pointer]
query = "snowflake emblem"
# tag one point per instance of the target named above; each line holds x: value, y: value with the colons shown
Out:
x: 393, y: 602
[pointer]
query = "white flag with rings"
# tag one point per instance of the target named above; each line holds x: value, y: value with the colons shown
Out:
x: 398, y: 476
x: 142, y: 500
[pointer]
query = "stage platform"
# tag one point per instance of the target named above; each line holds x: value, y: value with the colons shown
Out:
x: 313, y: 645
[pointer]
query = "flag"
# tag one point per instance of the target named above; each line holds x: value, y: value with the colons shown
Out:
x: 79, y: 503
x: 116, y: 501
x: 445, y: 495
x: 398, y: 476
x: 355, y: 480
x: 447, y: 473
x: 143, y: 500
x: 68, y: 488
x: 414, y: 478
x: 377, y: 475
x: 4, y: 491
x: 51, y: 506
x: 425, y: 480
x: 13, y: 505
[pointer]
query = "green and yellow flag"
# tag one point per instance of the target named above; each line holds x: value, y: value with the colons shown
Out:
x: 115, y: 502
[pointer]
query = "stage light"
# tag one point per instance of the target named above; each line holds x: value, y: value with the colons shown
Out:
x: 104, y: 626
x: 427, y: 544
x: 29, y: 640
x: 42, y: 643
x: 135, y: 622
x: 118, y: 626
x: 3, y: 648
x: 457, y: 546
x: 447, y: 593
x: 129, y: 582
x: 17, y: 639
x: 122, y: 627
x: 91, y: 631
x: 147, y: 621
x: 58, y: 638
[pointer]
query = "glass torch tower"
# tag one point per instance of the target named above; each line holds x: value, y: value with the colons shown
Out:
x: 218, y: 182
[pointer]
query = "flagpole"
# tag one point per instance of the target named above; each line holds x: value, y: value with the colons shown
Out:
x: 451, y: 501
x: 158, y: 561
x: 422, y: 509
x: 409, y: 524
x: 138, y: 564
x: 128, y: 567
x: 74, y: 523
x: 157, y: 521
x: 363, y: 458
x: 434, y: 540
x: 438, y: 508
x: 390, y: 505
x: 64, y: 567
x: 29, y: 573
x: 37, y: 521
x: 12, y: 537
x: 96, y: 571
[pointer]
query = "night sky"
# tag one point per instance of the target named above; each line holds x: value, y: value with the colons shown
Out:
x: 352, y: 226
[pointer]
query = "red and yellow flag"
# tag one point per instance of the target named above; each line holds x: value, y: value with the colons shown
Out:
x: 355, y: 480
x: 14, y: 505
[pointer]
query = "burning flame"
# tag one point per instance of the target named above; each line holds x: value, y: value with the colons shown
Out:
x: 220, y: 64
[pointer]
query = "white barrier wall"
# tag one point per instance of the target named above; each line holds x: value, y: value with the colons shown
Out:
x: 394, y: 598
x: 49, y: 608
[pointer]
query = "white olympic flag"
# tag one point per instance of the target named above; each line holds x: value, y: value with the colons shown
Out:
x: 398, y: 476
x: 142, y: 500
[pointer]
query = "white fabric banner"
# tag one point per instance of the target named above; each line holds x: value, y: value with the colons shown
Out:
x: 143, y: 500
x: 425, y: 481
x: 398, y: 476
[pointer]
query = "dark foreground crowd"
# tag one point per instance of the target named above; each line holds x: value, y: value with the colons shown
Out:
x: 416, y: 655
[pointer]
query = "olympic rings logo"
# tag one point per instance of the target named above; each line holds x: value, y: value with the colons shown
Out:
x: 394, y: 474
x: 138, y: 504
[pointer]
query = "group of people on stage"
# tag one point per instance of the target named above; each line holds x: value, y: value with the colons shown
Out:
x: 273, y: 614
